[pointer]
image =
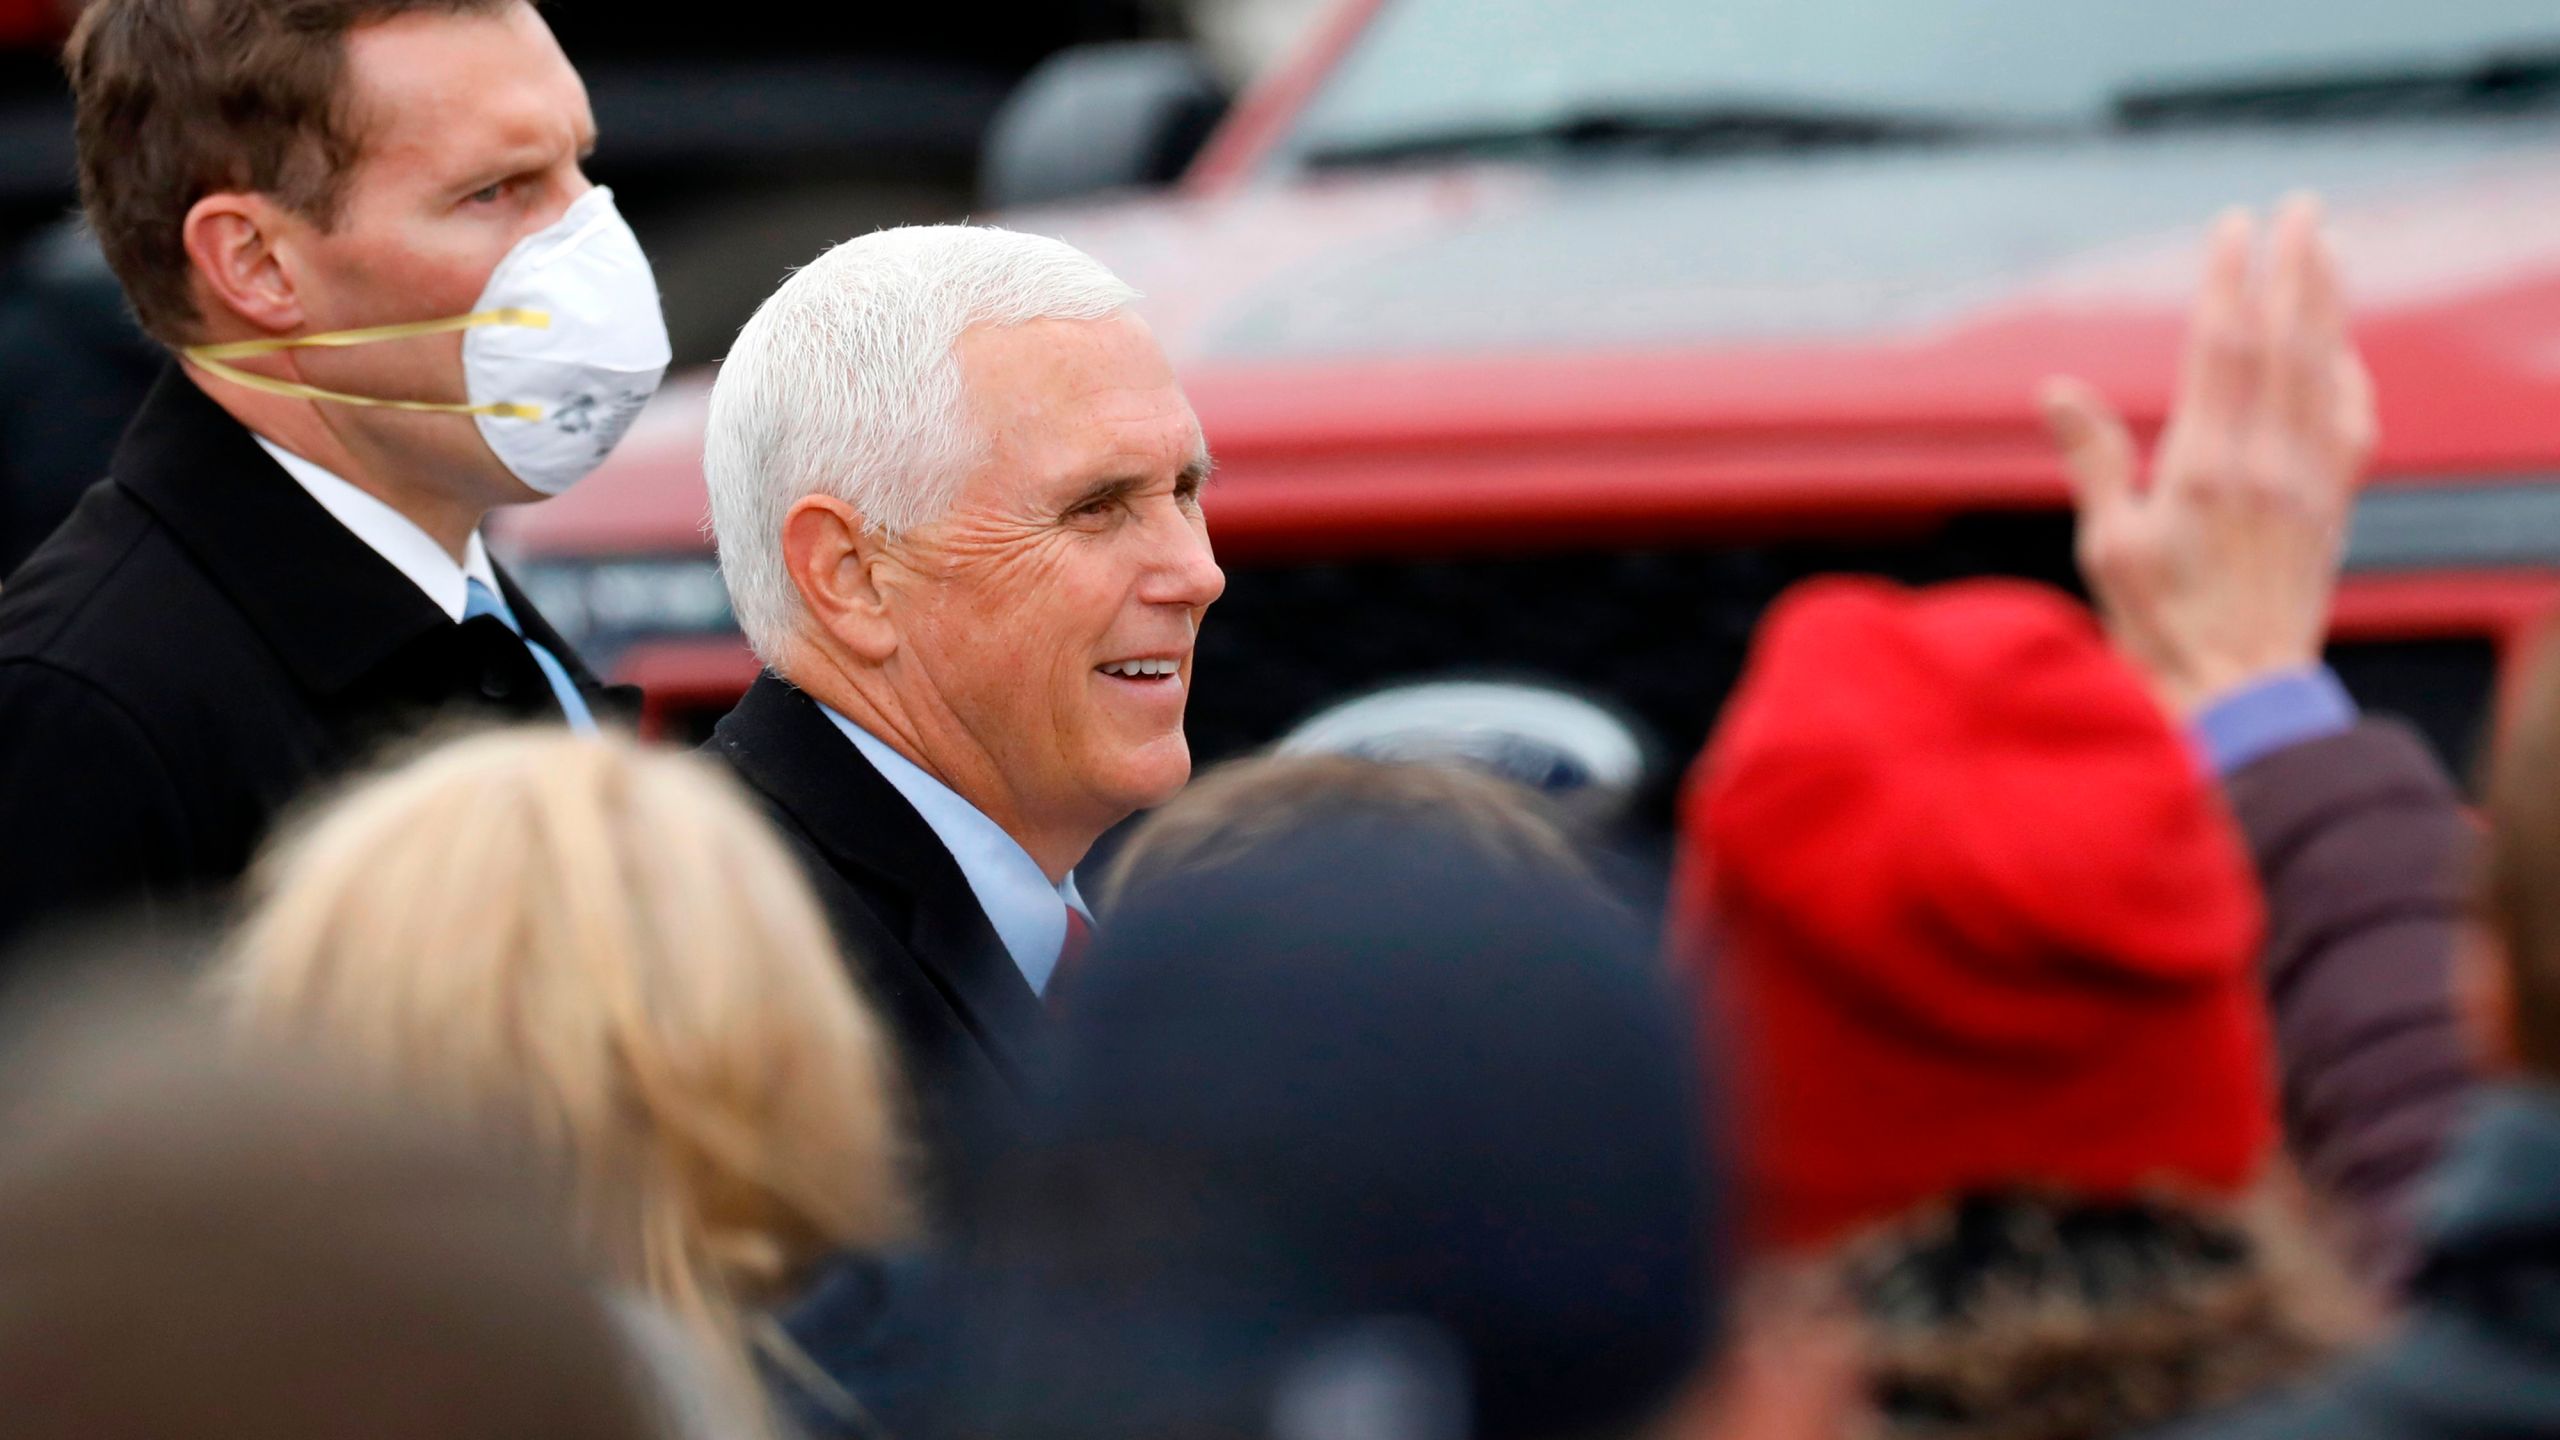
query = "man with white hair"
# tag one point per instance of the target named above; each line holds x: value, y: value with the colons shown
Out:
x: 957, y: 496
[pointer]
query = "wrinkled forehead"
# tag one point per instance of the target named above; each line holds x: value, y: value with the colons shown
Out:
x: 458, y: 95
x: 1065, y: 399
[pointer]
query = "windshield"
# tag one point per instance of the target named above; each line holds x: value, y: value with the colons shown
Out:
x: 1433, y: 68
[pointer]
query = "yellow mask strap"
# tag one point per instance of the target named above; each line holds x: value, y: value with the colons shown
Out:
x: 212, y: 359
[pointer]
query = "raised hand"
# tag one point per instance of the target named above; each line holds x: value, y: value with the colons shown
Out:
x: 2218, y: 569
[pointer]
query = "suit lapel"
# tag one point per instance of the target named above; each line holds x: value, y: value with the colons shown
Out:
x: 336, y: 611
x: 784, y: 746
x: 331, y: 607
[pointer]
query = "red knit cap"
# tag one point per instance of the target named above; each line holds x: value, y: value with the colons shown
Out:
x: 1982, y: 920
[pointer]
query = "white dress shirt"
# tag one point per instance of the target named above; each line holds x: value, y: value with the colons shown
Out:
x: 1029, y: 914
x: 392, y: 535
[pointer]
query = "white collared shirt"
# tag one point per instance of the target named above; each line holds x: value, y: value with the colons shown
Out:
x: 1029, y: 914
x: 393, y: 536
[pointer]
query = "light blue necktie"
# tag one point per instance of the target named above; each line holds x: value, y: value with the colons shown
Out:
x: 482, y: 601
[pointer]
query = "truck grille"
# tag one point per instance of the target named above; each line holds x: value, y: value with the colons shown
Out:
x: 1659, y: 634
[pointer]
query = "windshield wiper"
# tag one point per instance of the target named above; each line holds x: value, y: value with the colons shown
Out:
x: 2511, y: 80
x: 1735, y: 128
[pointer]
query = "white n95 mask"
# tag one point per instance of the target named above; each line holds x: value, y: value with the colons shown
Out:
x: 565, y: 347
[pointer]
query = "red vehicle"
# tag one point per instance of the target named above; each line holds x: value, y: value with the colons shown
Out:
x: 1550, y: 340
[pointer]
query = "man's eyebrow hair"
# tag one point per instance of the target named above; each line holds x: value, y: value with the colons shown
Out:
x: 515, y: 161
x: 519, y: 157
x: 1106, y: 489
x: 1194, y: 472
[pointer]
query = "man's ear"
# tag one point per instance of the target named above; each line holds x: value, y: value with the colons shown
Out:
x: 231, y: 245
x: 2484, y: 995
x: 829, y: 558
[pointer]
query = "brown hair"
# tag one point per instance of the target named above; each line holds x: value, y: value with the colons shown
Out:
x: 2520, y: 883
x: 180, y: 99
x: 1237, y: 808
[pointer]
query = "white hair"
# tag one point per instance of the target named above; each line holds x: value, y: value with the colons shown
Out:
x: 845, y: 384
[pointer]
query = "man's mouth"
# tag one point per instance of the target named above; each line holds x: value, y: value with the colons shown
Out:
x: 1142, y: 669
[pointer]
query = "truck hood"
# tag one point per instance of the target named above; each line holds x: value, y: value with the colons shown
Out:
x: 1864, y: 288
x: 1627, y: 342
x: 1857, y: 246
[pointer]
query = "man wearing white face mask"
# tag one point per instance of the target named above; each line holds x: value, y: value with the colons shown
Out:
x: 396, y: 303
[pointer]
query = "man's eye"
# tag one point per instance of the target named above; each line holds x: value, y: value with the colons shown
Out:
x: 1092, y: 508
x: 489, y: 196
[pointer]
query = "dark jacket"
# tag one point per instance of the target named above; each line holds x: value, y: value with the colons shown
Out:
x: 192, y: 649
x: 969, y: 1026
x: 2478, y: 1355
x: 2362, y: 845
x: 971, y: 1032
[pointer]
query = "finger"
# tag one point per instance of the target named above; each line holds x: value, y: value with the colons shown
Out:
x: 2305, y: 328
x: 2357, y: 423
x: 2303, y: 281
x: 2098, y: 453
x: 2358, y: 430
x: 2218, y: 381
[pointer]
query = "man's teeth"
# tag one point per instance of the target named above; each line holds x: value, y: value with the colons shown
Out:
x: 1135, y: 669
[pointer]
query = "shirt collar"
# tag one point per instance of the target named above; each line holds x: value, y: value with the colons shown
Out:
x: 1028, y: 913
x: 392, y: 535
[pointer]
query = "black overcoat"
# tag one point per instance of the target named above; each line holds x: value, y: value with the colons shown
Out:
x: 970, y: 1030
x: 196, y: 646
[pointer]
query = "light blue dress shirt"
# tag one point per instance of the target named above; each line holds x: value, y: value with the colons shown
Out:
x: 1028, y: 913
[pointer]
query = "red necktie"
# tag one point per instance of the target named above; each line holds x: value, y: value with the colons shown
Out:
x: 1070, y: 954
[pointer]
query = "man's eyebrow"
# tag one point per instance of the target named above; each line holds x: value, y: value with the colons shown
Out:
x: 522, y: 157
x: 1192, y: 475
x: 501, y: 165
x: 1111, y: 489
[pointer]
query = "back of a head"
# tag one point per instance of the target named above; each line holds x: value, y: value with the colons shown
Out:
x: 1360, y: 1114
x: 1981, y: 919
x: 1227, y: 814
x: 1989, y: 943
x: 193, y: 1249
x: 599, y: 956
x: 845, y: 383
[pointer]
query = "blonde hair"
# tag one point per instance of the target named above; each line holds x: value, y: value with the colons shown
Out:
x: 600, y: 955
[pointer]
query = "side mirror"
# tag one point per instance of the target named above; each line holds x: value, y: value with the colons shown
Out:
x: 1097, y: 118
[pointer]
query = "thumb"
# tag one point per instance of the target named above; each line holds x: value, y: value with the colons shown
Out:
x: 2097, y: 451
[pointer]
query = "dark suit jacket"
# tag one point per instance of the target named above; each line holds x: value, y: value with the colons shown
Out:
x: 197, y: 645
x: 969, y: 1027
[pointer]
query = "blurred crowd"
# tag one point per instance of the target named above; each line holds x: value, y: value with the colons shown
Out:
x: 2070, y: 1020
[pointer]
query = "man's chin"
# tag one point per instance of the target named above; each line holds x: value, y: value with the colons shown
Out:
x: 1152, y: 774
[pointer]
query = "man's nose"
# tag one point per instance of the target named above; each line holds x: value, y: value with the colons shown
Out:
x: 567, y: 191
x: 1187, y: 572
